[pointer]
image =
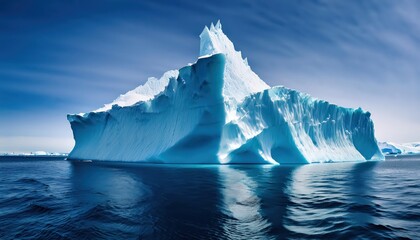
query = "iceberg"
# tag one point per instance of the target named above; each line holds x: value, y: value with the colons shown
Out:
x: 219, y: 111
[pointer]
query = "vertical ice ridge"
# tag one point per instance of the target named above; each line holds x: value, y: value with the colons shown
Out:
x: 291, y: 127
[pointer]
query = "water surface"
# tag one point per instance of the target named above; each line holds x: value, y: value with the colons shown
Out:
x: 56, y: 199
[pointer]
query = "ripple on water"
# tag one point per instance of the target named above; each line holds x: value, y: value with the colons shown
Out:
x: 110, y: 201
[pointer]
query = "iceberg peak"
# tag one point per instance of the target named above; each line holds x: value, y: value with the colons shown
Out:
x: 218, y: 25
x: 213, y: 40
x: 240, y: 80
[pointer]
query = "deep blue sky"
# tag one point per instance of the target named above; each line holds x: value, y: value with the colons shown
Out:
x: 59, y: 57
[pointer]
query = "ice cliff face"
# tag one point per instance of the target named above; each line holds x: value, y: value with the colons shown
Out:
x: 183, y: 123
x: 219, y: 111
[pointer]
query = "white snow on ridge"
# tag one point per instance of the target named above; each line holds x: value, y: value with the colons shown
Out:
x: 142, y: 93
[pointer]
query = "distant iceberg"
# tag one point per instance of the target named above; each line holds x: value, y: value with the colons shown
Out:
x: 389, y: 148
x: 218, y: 110
x: 36, y: 153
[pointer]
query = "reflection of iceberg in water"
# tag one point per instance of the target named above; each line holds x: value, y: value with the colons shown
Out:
x: 274, y: 188
x: 362, y: 208
x: 112, y: 203
x: 110, y: 184
x: 242, y: 206
x: 318, y: 195
x: 331, y: 198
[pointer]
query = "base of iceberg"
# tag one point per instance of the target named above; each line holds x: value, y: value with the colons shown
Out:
x: 218, y: 111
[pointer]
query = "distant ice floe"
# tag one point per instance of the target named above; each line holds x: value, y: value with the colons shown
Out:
x: 36, y: 153
x: 389, y: 148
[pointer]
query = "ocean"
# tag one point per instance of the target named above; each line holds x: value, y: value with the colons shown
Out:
x: 50, y: 198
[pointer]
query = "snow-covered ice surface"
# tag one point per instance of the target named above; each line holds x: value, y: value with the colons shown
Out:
x: 144, y: 92
x: 218, y: 110
x: 399, y: 148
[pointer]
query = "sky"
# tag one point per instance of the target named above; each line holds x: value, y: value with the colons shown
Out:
x: 61, y: 57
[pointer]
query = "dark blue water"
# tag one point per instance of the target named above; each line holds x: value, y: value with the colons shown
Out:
x: 78, y: 200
